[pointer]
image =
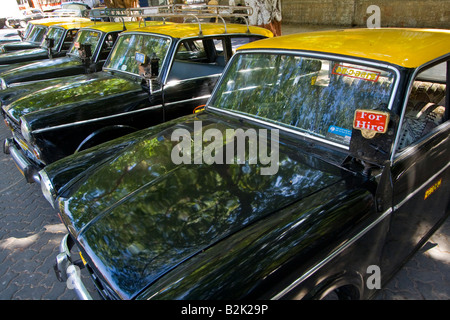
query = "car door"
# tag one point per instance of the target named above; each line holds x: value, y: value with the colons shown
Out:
x: 420, y: 168
x: 195, y: 69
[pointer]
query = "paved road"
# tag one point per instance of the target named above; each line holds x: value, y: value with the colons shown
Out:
x: 30, y: 232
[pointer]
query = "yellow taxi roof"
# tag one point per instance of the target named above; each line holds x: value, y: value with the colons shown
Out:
x: 187, y: 30
x: 409, y: 48
x: 51, y: 21
x: 74, y: 25
x: 118, y: 26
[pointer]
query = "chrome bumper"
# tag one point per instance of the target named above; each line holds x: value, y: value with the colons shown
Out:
x: 28, y: 169
x: 68, y: 271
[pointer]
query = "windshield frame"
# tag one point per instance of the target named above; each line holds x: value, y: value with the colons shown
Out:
x: 99, y: 45
x: 307, y: 54
x: 56, y: 46
x: 34, y: 30
x: 162, y: 70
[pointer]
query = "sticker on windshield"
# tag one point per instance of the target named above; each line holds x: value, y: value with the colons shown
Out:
x: 123, y: 67
x: 370, y: 122
x: 339, y: 134
x: 358, y: 73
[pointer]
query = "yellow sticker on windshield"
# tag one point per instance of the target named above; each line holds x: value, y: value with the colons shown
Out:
x: 358, y: 73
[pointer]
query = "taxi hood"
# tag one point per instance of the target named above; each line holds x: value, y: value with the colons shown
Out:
x: 136, y: 214
x: 32, y: 71
x: 63, y: 92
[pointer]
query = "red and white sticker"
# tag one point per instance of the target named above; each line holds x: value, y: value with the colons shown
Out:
x: 370, y: 122
x: 76, y: 45
x: 359, y: 73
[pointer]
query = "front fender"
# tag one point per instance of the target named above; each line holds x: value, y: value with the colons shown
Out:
x: 104, y: 134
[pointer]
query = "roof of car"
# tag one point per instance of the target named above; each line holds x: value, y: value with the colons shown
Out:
x: 187, y: 30
x: 74, y: 25
x: 409, y: 48
x: 118, y: 26
x: 51, y: 21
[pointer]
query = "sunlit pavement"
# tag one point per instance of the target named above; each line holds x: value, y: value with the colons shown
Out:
x: 30, y: 233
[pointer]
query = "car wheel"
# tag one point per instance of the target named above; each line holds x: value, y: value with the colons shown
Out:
x: 342, y: 293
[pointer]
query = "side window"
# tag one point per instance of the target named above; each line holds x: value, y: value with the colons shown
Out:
x: 425, y: 108
x: 70, y: 36
x: 236, y: 42
x: 196, y: 58
x: 107, y: 45
x: 191, y: 50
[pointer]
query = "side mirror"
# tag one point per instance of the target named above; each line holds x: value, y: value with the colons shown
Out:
x: 21, y: 35
x: 50, y: 42
x: 373, y: 135
x: 148, y: 67
x: 85, y: 52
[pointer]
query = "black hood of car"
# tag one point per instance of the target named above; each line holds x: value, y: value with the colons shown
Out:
x: 46, y: 69
x: 19, y: 46
x: 137, y: 214
x: 54, y: 99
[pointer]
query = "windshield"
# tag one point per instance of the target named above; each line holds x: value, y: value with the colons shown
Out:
x: 56, y: 34
x: 85, y: 37
x: 122, y: 57
x: 37, y: 34
x: 28, y: 30
x: 313, y: 96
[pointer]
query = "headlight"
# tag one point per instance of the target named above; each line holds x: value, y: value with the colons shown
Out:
x: 25, y: 128
x: 3, y: 85
x: 47, y: 188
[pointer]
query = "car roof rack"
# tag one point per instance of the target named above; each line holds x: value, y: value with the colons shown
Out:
x: 70, y: 14
x: 185, y: 11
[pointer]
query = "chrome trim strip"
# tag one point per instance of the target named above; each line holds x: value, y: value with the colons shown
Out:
x: 94, y: 120
x: 116, y: 115
x: 336, y: 252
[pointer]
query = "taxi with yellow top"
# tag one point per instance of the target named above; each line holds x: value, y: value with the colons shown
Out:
x: 56, y: 43
x: 319, y: 165
x: 69, y: 48
x: 34, y: 34
x: 153, y: 74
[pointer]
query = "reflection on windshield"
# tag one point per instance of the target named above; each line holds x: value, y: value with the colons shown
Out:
x: 37, y: 34
x: 28, y: 30
x: 56, y: 34
x: 123, y: 55
x: 316, y: 97
x: 85, y: 37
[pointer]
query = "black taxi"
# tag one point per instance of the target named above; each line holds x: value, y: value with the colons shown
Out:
x: 319, y: 165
